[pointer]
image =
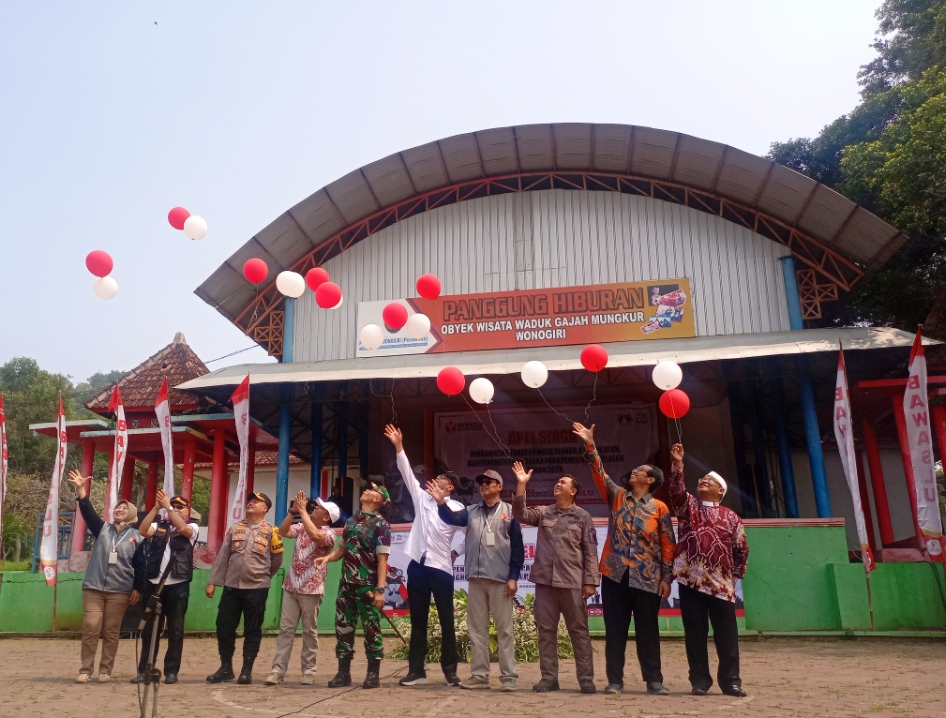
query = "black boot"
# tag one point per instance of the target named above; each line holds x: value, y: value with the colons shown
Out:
x: 246, y: 673
x: 343, y: 677
x: 372, y: 680
x: 224, y: 673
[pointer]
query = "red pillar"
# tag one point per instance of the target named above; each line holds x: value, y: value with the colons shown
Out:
x: 128, y: 478
x: 901, y: 419
x: 939, y: 426
x: 865, y: 500
x: 216, y: 521
x: 152, y: 487
x: 78, y: 523
x: 187, y: 481
x: 877, y: 483
x: 250, y: 466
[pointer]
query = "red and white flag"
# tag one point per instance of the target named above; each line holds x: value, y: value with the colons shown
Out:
x: 49, y: 546
x: 844, y: 435
x: 241, y: 415
x: 162, y: 408
x: 117, y: 468
x: 917, y: 411
x: 4, y: 460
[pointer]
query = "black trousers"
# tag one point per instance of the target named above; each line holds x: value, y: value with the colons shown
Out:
x: 250, y: 603
x: 695, y: 609
x: 174, y: 599
x: 620, y: 603
x: 422, y: 582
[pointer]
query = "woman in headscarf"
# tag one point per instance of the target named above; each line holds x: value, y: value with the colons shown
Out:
x: 108, y: 588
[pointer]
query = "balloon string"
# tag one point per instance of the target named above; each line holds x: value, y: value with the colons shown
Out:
x: 386, y: 396
x: 496, y: 431
x: 676, y: 420
x: 594, y: 396
x: 552, y: 407
x: 496, y: 440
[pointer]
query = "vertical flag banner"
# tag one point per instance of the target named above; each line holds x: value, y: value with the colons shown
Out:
x: 117, y: 468
x: 241, y: 415
x: 917, y: 411
x: 844, y: 435
x: 162, y: 408
x: 4, y: 460
x: 49, y: 546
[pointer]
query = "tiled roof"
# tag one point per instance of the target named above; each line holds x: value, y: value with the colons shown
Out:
x: 139, y: 387
x: 263, y: 458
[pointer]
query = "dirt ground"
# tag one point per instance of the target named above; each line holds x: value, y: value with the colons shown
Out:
x: 784, y: 677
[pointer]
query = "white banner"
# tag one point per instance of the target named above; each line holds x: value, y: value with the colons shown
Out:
x: 117, y: 468
x: 4, y: 461
x: 49, y: 545
x: 162, y: 408
x: 542, y: 438
x: 844, y: 435
x: 916, y: 408
x: 241, y: 416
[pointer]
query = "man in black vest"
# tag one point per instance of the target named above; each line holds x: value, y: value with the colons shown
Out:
x: 170, y: 555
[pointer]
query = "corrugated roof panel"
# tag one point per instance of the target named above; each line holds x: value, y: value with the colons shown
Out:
x: 389, y: 180
x: 536, y: 147
x: 572, y: 146
x: 612, y: 147
x: 785, y: 193
x: 284, y: 240
x: 251, y: 249
x: 498, y: 150
x: 653, y: 152
x: 426, y: 167
x: 697, y: 162
x: 352, y: 195
x: 227, y: 291
x: 318, y: 216
x: 825, y: 213
x: 462, y: 157
x: 741, y: 175
x: 863, y: 235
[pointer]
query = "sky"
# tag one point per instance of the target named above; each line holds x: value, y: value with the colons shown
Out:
x: 112, y: 113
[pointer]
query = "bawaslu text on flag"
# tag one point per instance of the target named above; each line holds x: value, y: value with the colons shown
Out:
x: 162, y: 408
x: 49, y: 545
x: 241, y: 415
x: 117, y: 467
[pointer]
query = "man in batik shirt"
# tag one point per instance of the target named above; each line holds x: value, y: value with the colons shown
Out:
x: 365, y: 545
x: 712, y: 553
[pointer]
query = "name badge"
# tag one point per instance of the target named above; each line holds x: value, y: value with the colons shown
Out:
x: 490, y: 538
x: 113, y: 558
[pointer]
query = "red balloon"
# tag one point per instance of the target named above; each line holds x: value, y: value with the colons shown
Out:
x: 177, y: 216
x: 428, y: 286
x: 315, y: 277
x: 99, y: 263
x: 255, y: 270
x: 395, y: 315
x: 451, y: 381
x: 328, y: 295
x: 674, y: 403
x: 594, y: 357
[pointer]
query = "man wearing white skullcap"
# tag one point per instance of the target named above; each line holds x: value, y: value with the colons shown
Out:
x: 711, y: 554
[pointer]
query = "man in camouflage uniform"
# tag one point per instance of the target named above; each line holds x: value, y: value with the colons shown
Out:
x: 365, y: 545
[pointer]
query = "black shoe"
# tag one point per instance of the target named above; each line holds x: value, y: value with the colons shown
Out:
x: 656, y: 688
x: 246, y: 673
x: 372, y: 680
x: 698, y: 691
x: 452, y: 679
x: 140, y: 678
x: 170, y: 678
x: 545, y: 686
x: 588, y: 688
x: 343, y: 677
x: 413, y: 679
x: 224, y: 673
x: 615, y: 688
x: 735, y: 691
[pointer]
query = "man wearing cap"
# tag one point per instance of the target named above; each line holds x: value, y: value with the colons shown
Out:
x: 170, y: 558
x: 249, y: 557
x: 494, y: 558
x: 365, y: 546
x: 712, y: 553
x: 305, y: 583
x: 430, y: 571
x: 636, y: 565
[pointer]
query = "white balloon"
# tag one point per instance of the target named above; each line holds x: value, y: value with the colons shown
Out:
x: 534, y: 374
x: 339, y: 302
x: 290, y: 283
x: 418, y: 326
x: 372, y: 337
x: 481, y: 390
x: 667, y: 375
x: 105, y: 287
x: 195, y: 227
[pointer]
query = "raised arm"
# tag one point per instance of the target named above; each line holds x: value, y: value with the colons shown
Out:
x: 92, y: 519
x: 530, y: 515
x: 679, y: 498
x: 395, y: 436
x: 606, y: 487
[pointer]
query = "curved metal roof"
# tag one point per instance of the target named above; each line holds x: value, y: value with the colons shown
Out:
x: 528, y: 157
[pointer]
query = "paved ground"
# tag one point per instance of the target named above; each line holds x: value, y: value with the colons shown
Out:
x: 784, y: 677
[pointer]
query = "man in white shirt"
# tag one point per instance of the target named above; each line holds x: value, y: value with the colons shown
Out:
x: 171, y: 557
x: 430, y: 571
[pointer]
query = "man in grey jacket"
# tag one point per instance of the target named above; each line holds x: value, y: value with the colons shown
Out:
x: 494, y: 558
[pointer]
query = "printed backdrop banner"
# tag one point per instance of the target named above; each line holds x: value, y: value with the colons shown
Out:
x: 468, y: 443
x: 395, y: 594
x: 658, y: 309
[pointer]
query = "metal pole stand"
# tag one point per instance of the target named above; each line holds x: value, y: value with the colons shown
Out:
x: 152, y: 674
